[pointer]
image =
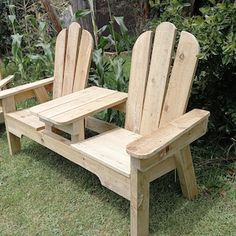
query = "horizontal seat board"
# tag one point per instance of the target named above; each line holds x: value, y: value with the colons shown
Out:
x: 109, y: 148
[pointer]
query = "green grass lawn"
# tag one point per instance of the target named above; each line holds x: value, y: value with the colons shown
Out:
x: 42, y: 193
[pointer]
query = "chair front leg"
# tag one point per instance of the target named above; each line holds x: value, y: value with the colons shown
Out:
x: 8, y: 105
x: 139, y: 201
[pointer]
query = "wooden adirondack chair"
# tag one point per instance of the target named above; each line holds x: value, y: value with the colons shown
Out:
x: 157, y: 133
x: 71, y: 69
x: 3, y: 85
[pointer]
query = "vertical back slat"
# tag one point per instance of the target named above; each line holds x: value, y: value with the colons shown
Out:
x: 73, y: 42
x: 59, y: 63
x: 181, y: 78
x: 83, y: 61
x: 158, y: 76
x: 138, y: 77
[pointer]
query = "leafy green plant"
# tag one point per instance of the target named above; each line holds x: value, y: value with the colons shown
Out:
x: 31, y: 45
x: 108, y: 72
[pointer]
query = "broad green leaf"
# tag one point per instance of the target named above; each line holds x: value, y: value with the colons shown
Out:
x: 120, y: 21
x: 82, y: 13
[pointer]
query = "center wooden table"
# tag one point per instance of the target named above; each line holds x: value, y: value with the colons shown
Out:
x: 67, y: 113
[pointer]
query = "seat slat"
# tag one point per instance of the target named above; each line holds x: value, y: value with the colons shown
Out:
x: 158, y: 76
x: 109, y: 149
x: 181, y: 78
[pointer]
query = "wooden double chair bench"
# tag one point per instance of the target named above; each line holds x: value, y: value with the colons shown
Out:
x: 157, y: 132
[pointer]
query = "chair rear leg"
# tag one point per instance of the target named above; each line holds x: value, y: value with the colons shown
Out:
x: 186, y: 173
x: 13, y: 143
x: 139, y: 203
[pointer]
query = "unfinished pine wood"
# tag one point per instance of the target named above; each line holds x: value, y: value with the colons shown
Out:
x: 41, y: 94
x: 165, y: 152
x: 1, y: 116
x: 139, y: 202
x: 88, y: 109
x: 83, y: 61
x: 78, y: 130
x: 181, y: 78
x: 186, y: 173
x: 24, y: 88
x: 66, y: 104
x: 63, y: 100
x: 25, y: 116
x: 5, y: 81
x: 59, y: 64
x: 160, y: 140
x: 160, y: 169
x: 8, y: 105
x: 72, y: 61
x: 141, y: 56
x: 109, y: 177
x: 3, y: 84
x: 97, y: 125
x: 73, y: 42
x: 158, y: 77
x: 109, y: 148
x: 84, y: 103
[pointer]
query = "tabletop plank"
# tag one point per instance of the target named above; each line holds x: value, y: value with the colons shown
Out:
x: 89, y: 108
x: 76, y: 106
x: 63, y: 100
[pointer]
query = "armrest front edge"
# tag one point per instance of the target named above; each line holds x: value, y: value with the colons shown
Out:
x: 167, y: 140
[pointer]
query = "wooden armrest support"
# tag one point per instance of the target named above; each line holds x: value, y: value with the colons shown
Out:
x: 167, y: 140
x: 6, y: 80
x: 24, y: 88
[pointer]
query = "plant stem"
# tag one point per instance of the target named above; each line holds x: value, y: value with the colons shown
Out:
x: 112, y: 25
x: 95, y: 29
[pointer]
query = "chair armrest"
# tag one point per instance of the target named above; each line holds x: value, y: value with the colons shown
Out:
x: 171, y: 138
x: 24, y: 88
x: 6, y: 80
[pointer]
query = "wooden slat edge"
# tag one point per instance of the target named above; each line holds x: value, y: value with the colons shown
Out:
x: 6, y: 80
x: 25, y: 87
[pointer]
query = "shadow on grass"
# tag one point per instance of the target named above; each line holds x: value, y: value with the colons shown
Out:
x: 170, y: 213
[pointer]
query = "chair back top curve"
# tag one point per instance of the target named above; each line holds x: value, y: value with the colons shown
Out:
x: 72, y: 60
x: 160, y: 78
